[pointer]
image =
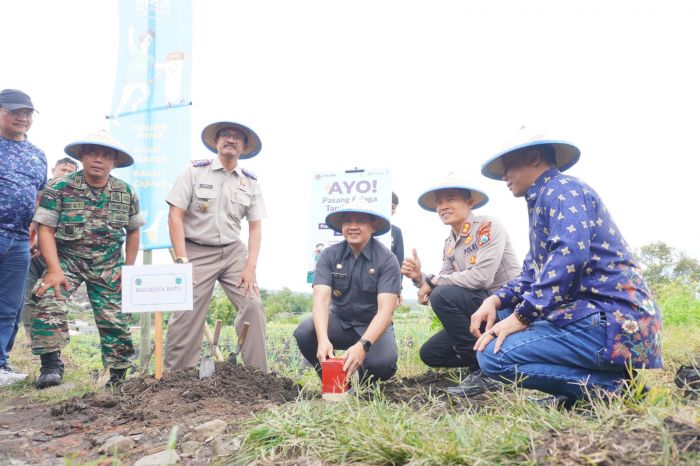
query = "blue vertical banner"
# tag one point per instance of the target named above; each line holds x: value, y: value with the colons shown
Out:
x: 151, y: 104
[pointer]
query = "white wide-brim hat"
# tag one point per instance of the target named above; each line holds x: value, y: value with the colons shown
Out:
x: 427, y: 199
x: 565, y: 153
x: 334, y: 220
x: 210, y: 133
x: 101, y: 138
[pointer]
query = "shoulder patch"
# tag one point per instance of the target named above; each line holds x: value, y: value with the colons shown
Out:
x: 249, y: 174
x: 484, y: 233
x: 201, y: 162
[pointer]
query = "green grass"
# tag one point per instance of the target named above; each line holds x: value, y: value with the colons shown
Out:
x: 507, y: 429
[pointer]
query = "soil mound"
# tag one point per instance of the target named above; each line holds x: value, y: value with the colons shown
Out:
x: 145, y: 409
x: 233, y: 389
x: 231, y: 382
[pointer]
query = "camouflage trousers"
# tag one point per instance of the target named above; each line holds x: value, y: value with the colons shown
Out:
x: 50, y: 318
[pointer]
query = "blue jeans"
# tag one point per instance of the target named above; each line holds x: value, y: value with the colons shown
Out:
x: 14, y: 265
x: 565, y: 361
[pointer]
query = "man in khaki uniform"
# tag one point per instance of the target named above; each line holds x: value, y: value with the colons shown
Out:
x: 207, y: 203
x: 478, y: 258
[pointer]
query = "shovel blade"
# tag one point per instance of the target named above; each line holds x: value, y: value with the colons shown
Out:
x: 206, y: 368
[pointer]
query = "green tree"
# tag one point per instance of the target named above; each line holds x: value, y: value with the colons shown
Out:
x: 664, y: 264
x: 285, y: 301
x: 221, y: 308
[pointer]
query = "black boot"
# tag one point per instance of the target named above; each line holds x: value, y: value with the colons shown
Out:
x: 116, y: 377
x: 51, y: 370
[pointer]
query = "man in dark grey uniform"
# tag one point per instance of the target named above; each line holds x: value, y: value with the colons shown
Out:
x: 356, y: 285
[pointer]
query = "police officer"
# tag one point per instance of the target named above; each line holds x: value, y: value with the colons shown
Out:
x: 356, y: 285
x: 84, y: 219
x: 208, y: 201
x: 478, y: 258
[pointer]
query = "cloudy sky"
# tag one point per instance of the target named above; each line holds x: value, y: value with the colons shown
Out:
x: 422, y: 88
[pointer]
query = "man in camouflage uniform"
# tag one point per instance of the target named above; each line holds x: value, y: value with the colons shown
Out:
x: 37, y: 266
x: 84, y: 219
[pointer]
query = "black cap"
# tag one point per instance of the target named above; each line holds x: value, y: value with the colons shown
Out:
x: 14, y: 99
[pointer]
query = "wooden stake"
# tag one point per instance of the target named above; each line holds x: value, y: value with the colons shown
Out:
x: 159, y: 345
x: 145, y: 343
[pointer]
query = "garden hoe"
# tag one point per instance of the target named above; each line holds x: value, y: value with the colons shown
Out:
x: 233, y: 357
x: 207, y: 367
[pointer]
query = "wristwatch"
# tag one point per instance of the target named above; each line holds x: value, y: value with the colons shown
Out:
x: 181, y: 260
x: 366, y: 344
x: 429, y: 281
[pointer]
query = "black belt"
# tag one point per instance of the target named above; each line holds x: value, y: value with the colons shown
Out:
x: 208, y: 245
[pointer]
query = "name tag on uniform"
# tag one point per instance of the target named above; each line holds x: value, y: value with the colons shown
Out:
x: 202, y: 185
x: 339, y: 275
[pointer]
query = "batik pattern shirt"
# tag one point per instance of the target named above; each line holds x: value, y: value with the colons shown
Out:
x: 22, y: 175
x: 579, y: 264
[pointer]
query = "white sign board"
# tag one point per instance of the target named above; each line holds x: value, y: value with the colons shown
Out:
x: 150, y: 288
x: 331, y: 191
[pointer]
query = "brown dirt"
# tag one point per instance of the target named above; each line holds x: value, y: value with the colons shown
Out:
x: 144, y: 408
x: 619, y: 446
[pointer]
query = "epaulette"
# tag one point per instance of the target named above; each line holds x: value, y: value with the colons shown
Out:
x: 249, y: 174
x: 201, y: 162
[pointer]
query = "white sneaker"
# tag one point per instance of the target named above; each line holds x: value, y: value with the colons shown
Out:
x: 9, y: 377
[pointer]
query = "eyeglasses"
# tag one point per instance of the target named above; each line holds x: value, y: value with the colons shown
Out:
x: 231, y: 135
x: 21, y: 114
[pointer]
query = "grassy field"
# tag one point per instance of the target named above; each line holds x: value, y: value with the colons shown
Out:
x: 506, y: 428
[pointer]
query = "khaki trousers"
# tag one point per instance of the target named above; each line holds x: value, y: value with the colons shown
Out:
x: 185, y: 329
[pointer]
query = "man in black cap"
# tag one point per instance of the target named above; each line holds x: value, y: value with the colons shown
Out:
x: 22, y: 177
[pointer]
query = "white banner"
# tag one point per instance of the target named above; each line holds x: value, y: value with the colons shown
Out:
x: 331, y: 191
x: 150, y: 288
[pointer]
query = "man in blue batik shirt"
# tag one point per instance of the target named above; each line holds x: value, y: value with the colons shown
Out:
x: 22, y: 176
x: 581, y: 310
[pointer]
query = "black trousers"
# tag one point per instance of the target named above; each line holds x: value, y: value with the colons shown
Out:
x: 380, y: 362
x: 453, y: 346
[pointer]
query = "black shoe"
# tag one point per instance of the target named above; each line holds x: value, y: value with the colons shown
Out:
x: 116, y: 377
x: 688, y: 378
x: 475, y: 384
x: 553, y: 401
x: 51, y: 370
